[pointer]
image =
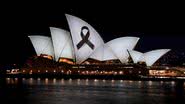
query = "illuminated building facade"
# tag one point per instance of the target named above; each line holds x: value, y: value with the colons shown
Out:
x: 149, y: 57
x: 83, y: 42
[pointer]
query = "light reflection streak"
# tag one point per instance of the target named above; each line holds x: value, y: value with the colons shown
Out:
x: 23, y: 79
x: 70, y: 81
x: 31, y: 81
x: 46, y: 81
x: 104, y: 80
x: 38, y: 79
x: 87, y: 82
x: 121, y: 81
x: 130, y: 81
x: 78, y: 81
x: 173, y: 83
x: 16, y: 79
x: 54, y: 81
x: 150, y: 83
x: 8, y: 80
x: 95, y: 80
x: 62, y: 81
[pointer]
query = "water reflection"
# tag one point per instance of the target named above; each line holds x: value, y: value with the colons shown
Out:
x: 150, y: 83
x: 121, y: 81
x: 87, y: 82
x: 173, y: 83
x: 31, y: 81
x: 46, y: 81
x: 62, y: 81
x: 12, y: 91
x: 78, y: 81
x: 38, y: 79
x: 92, y: 91
x: 104, y: 80
x: 54, y: 81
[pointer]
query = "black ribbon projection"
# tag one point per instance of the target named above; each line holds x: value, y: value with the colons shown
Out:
x: 85, y: 38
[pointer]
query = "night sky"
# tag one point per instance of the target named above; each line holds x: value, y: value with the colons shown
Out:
x: 157, y: 25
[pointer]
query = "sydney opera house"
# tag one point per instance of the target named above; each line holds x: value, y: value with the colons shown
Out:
x: 85, y: 52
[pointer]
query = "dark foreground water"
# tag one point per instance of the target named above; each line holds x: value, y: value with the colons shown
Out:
x: 60, y: 91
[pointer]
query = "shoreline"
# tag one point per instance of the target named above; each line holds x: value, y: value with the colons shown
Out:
x: 101, y: 77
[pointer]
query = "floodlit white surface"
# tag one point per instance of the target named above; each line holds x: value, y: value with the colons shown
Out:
x: 75, y: 25
x: 42, y: 45
x: 103, y: 53
x: 135, y: 55
x: 120, y: 46
x: 152, y: 56
x: 62, y: 43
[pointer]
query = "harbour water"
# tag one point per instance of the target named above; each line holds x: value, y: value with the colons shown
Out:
x: 90, y: 91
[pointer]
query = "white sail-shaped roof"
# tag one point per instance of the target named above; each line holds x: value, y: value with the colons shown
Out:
x: 42, y: 45
x: 152, y: 56
x: 62, y: 43
x: 103, y: 53
x: 120, y: 46
x: 85, y: 38
x: 135, y: 55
